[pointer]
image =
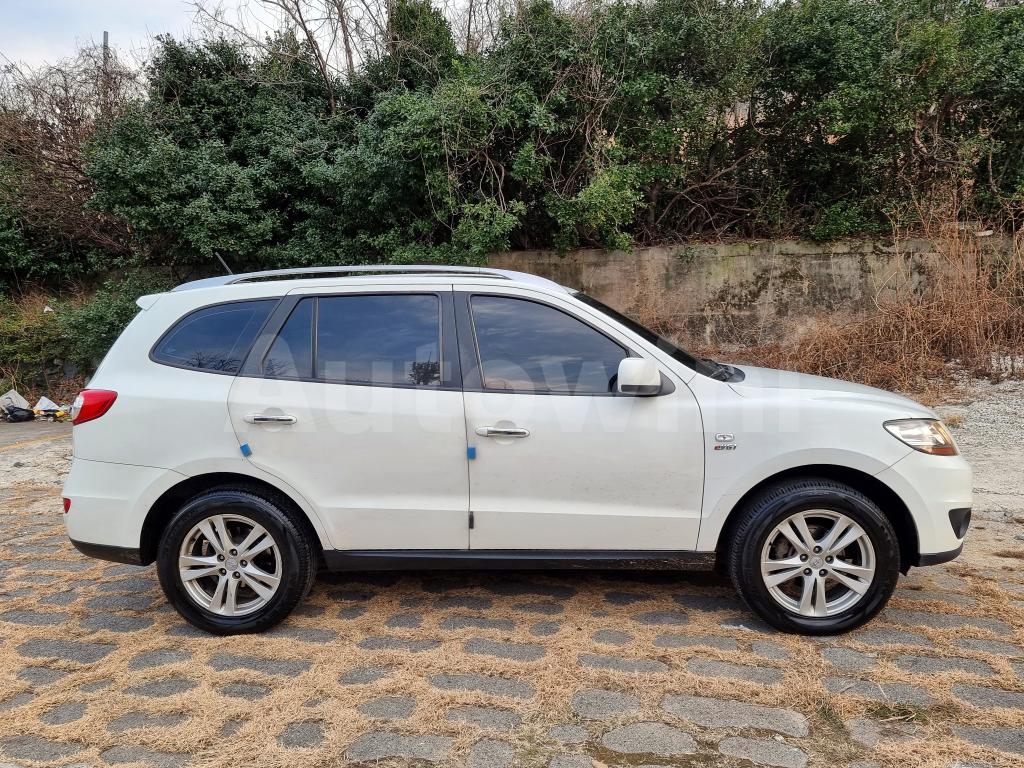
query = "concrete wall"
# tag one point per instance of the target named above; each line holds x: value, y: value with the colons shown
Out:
x: 742, y: 291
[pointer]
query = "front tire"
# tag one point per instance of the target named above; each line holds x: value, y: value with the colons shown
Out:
x: 233, y: 561
x: 813, y: 556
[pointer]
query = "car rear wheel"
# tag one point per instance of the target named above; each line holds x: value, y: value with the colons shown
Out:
x: 814, y: 556
x: 233, y: 561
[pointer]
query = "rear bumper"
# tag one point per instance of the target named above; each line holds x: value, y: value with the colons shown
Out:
x: 107, y: 552
x: 109, y: 502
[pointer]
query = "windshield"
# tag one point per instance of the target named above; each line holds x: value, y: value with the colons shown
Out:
x: 705, y: 366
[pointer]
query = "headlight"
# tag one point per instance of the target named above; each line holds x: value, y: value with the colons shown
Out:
x: 925, y: 435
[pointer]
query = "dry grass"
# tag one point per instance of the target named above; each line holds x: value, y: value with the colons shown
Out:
x: 318, y: 695
x: 967, y: 319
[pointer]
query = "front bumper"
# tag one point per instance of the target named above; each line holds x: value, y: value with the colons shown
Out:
x: 932, y: 487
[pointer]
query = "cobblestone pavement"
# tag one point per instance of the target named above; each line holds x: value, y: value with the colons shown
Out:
x: 559, y: 670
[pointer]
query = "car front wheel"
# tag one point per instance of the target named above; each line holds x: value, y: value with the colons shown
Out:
x: 814, y: 556
x: 233, y: 561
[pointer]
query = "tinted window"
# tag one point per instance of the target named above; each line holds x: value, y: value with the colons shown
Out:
x: 533, y: 347
x: 291, y: 354
x: 392, y: 339
x: 214, y: 338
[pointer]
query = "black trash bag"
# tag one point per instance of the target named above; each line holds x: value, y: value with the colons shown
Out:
x: 14, y: 413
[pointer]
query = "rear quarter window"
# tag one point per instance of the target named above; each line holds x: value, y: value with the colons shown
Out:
x: 215, y: 338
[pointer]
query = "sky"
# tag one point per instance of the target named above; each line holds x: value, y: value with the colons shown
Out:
x: 39, y: 31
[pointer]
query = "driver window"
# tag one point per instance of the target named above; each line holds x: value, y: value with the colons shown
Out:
x: 529, y: 347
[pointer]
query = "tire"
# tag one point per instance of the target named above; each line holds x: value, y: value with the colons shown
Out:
x: 846, y: 596
x: 265, y: 590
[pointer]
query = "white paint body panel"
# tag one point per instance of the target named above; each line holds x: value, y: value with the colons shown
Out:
x: 384, y: 468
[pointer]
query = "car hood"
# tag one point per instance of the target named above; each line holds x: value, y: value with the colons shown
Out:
x: 757, y: 380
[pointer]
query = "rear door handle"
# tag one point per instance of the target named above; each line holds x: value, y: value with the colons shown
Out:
x: 263, y: 418
x: 502, y: 432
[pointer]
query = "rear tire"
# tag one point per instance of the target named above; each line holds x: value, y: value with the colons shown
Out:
x: 813, y: 556
x: 235, y: 560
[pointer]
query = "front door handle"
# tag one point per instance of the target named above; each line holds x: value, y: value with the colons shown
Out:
x: 502, y: 432
x: 264, y: 418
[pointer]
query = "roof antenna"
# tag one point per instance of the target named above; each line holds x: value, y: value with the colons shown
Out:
x: 223, y: 263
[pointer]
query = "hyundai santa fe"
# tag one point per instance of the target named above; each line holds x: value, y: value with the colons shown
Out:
x: 246, y: 431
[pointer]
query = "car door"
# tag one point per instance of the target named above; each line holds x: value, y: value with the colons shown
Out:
x: 562, y: 461
x: 354, y: 400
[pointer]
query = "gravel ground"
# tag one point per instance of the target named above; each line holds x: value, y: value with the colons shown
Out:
x: 492, y: 670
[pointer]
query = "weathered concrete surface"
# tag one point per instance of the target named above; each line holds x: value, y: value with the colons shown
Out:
x: 717, y: 291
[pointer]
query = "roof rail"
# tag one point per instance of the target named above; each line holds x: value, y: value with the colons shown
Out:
x: 368, y: 269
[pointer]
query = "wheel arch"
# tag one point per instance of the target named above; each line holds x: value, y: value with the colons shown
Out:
x: 163, y: 509
x: 881, y: 494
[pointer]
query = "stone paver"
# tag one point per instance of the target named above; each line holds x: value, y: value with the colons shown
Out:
x: 658, y: 618
x: 598, y: 704
x: 389, y: 643
x: 64, y: 713
x: 945, y: 620
x: 545, y: 628
x: 980, y: 645
x: 363, y: 675
x: 34, y: 618
x: 489, y: 718
x: 39, y: 676
x: 848, y: 660
x: 932, y: 665
x: 763, y: 752
x: 495, y: 686
x: 889, y: 636
x: 1006, y: 739
x: 718, y: 642
x: 769, y: 650
x: 384, y: 745
x: 713, y: 668
x: 626, y: 598
x: 571, y: 761
x: 504, y: 650
x: 68, y: 650
x: 247, y: 691
x: 405, y: 621
x: 163, y: 686
x: 722, y: 713
x: 620, y: 664
x: 466, y: 621
x: 113, y: 622
x: 568, y: 734
x: 491, y: 753
x: 229, y: 661
x: 612, y: 637
x: 125, y: 753
x: 989, y: 697
x: 302, y: 735
x: 388, y: 707
x: 868, y: 733
x: 545, y: 609
x: 158, y: 658
x: 649, y: 738
x: 887, y: 693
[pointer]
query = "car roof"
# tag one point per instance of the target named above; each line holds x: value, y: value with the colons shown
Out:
x: 350, y: 274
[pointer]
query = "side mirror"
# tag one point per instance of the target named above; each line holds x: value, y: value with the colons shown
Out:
x: 639, y: 377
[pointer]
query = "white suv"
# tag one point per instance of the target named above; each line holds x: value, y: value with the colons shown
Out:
x: 246, y: 430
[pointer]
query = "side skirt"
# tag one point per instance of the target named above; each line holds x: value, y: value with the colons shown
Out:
x: 514, y: 559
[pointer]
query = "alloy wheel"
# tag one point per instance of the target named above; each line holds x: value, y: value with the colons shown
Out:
x: 818, y: 563
x: 229, y: 565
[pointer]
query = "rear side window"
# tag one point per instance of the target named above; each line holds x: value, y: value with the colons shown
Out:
x: 291, y: 354
x: 390, y: 339
x: 214, y: 338
x: 529, y: 347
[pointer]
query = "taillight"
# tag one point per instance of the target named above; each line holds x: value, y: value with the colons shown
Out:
x: 91, y: 404
x: 67, y: 504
